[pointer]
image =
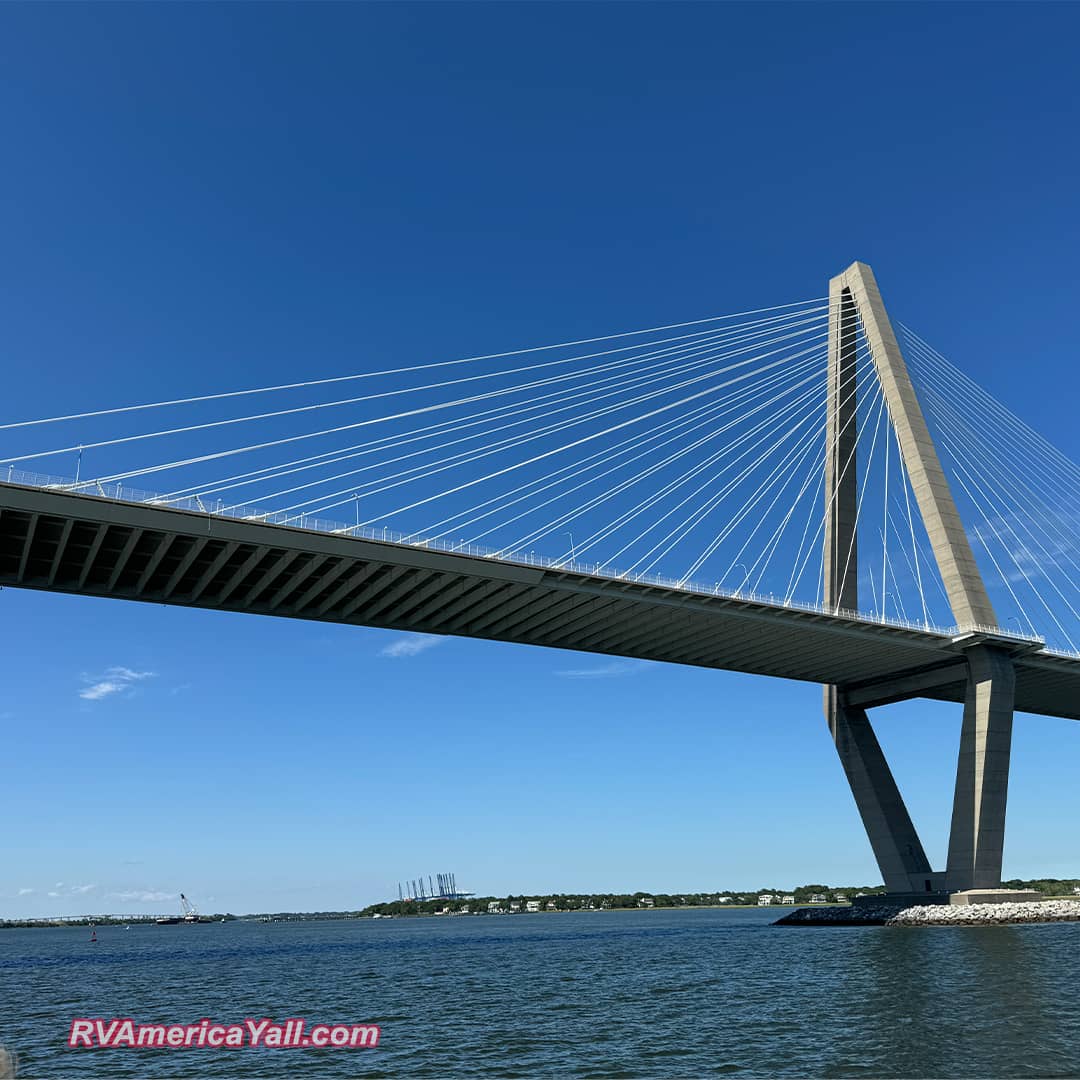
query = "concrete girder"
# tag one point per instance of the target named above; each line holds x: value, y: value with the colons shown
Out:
x: 271, y: 575
x: 159, y: 553
x: 91, y: 555
x: 291, y: 584
x: 212, y: 571
x: 535, y: 615
x: 409, y: 583
x: 388, y: 575
x: 24, y: 558
x: 61, y: 547
x: 448, y: 604
x: 341, y: 567
x: 355, y: 579
x: 123, y: 557
x: 198, y: 544
x: 482, y: 615
x: 904, y: 686
x: 238, y: 575
x: 436, y: 585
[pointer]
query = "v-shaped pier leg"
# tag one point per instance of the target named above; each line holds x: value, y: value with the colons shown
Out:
x: 897, y: 848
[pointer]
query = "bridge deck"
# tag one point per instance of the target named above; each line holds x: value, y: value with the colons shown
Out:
x: 62, y: 542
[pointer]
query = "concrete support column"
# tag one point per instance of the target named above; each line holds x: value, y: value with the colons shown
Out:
x: 982, y: 773
x: 896, y: 845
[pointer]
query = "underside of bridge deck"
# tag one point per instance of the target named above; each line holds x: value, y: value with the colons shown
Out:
x: 58, y: 541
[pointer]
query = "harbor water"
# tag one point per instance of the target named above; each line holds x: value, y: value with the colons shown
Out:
x: 612, y: 994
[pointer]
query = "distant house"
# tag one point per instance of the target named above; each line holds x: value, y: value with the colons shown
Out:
x: 1076, y: 890
x: 551, y: 906
x: 532, y: 906
x: 817, y: 898
x: 494, y: 908
x: 789, y: 899
x: 646, y: 901
x: 725, y: 900
x: 765, y: 899
x: 514, y: 906
x: 840, y: 898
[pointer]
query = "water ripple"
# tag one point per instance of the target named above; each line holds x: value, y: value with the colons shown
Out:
x: 619, y: 994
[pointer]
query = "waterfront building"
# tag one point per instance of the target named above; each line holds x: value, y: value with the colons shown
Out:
x: 532, y: 906
x: 765, y: 899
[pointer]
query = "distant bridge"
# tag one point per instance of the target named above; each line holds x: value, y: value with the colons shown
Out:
x: 190, y: 548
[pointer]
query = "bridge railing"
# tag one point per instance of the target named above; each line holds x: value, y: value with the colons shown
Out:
x: 218, y: 508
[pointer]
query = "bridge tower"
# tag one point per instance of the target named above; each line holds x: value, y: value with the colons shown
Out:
x: 984, y: 656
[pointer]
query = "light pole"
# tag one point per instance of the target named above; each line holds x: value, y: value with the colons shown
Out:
x: 573, y: 555
x: 746, y: 574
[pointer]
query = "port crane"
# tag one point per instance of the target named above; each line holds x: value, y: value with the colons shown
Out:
x: 191, y: 912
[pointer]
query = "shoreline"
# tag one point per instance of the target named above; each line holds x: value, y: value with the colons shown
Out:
x: 833, y: 915
x: 83, y: 922
x: 899, y: 915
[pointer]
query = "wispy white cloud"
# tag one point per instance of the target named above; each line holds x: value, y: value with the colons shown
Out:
x: 60, y: 889
x: 114, y: 681
x: 142, y: 896
x: 614, y: 670
x: 410, y: 645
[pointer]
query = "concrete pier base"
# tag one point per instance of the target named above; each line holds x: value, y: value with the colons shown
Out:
x: 996, y: 896
x: 944, y: 909
x: 967, y: 896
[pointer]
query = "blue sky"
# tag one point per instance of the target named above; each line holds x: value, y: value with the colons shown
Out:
x: 202, y: 198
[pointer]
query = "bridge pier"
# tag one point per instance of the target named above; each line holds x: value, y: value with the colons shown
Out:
x: 982, y: 773
x: 977, y: 834
x: 896, y: 845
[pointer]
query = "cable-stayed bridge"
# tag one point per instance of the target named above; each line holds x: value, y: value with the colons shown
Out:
x: 793, y: 491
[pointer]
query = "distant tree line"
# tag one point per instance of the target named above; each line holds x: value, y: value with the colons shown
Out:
x: 560, y: 901
x: 1047, y: 886
x: 607, y: 901
x: 613, y: 901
